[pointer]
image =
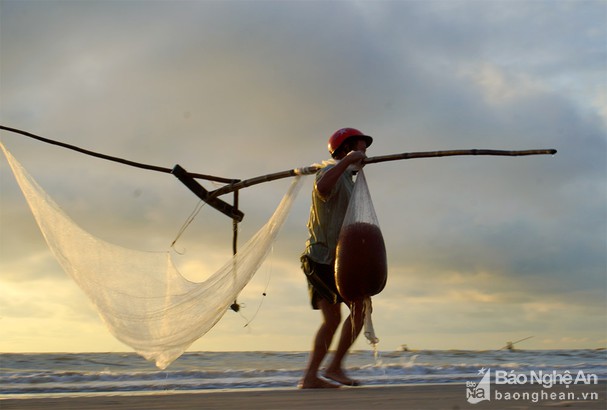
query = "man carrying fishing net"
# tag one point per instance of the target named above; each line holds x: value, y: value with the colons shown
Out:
x: 330, y: 198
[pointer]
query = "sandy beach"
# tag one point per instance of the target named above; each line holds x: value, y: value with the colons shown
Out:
x: 437, y: 396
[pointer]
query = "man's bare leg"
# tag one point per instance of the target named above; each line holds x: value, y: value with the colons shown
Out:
x: 331, y: 318
x: 350, y: 331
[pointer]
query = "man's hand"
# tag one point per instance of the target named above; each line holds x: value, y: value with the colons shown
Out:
x: 355, y: 158
x: 328, y: 181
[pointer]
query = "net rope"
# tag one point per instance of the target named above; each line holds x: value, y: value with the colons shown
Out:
x: 141, y: 296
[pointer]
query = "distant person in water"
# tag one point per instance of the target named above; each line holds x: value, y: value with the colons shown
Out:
x: 330, y: 197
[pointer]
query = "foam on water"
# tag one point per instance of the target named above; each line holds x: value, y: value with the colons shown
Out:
x: 24, y: 375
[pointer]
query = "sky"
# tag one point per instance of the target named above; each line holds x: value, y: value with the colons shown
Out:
x: 481, y: 250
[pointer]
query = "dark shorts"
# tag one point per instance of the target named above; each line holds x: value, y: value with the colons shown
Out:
x: 321, y: 282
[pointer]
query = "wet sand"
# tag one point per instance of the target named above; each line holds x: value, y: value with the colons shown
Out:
x: 435, y: 396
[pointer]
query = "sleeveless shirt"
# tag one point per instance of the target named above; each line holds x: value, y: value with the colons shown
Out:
x: 326, y: 217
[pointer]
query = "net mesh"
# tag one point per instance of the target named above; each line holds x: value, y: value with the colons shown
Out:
x: 141, y: 296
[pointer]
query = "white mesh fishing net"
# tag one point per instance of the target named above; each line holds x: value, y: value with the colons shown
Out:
x: 141, y: 296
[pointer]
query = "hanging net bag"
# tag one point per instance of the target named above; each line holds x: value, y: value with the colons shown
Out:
x: 361, y: 267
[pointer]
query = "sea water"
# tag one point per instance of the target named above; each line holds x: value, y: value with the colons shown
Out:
x: 62, y: 374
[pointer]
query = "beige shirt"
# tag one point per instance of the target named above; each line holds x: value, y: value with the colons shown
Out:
x: 326, y: 217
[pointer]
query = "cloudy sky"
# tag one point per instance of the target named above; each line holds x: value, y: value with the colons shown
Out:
x: 482, y: 250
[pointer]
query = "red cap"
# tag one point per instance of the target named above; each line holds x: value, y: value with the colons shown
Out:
x: 340, y: 136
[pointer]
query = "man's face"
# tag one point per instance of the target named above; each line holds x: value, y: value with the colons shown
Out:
x: 357, y: 144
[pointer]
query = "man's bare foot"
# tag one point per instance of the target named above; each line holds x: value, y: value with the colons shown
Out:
x: 316, y: 383
x: 340, y: 377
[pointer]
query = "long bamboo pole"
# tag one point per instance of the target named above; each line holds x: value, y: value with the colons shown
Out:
x: 373, y: 160
x: 112, y: 158
x: 234, y: 185
x: 433, y: 154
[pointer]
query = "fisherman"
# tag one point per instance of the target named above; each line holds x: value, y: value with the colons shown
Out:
x: 330, y: 197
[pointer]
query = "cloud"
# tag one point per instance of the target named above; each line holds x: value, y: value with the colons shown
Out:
x: 242, y: 89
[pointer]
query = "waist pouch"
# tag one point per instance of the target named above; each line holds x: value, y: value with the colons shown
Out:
x: 308, y: 267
